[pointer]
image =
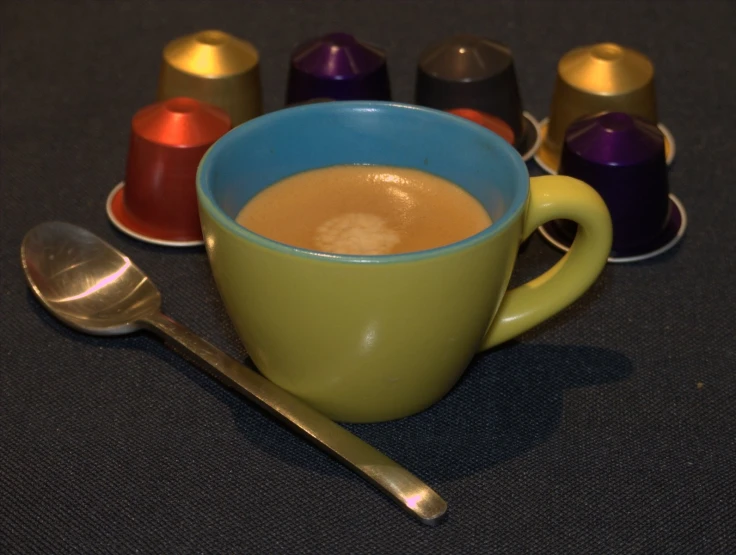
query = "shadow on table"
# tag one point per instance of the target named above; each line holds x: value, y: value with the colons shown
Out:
x: 509, y: 401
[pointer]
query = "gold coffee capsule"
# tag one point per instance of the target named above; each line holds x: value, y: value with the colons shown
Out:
x: 603, y: 77
x: 216, y: 68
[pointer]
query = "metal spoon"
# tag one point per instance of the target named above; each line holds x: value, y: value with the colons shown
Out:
x: 94, y: 288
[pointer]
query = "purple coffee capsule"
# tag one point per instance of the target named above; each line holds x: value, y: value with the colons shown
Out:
x: 622, y: 157
x: 340, y: 67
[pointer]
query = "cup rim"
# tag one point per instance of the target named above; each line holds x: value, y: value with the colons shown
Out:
x: 209, y: 205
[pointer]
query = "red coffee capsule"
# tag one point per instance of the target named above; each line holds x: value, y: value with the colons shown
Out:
x: 492, y: 123
x: 157, y: 202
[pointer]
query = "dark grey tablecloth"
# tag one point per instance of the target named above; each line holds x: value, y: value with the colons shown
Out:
x: 608, y: 430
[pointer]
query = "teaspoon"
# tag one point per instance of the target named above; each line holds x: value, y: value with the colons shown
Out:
x: 93, y: 288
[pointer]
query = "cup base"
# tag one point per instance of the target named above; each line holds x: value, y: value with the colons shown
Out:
x: 667, y: 239
x: 550, y: 163
x: 125, y: 222
x: 532, y: 138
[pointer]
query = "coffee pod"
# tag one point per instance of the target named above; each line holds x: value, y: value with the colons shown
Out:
x: 474, y: 73
x: 216, y: 68
x: 157, y: 202
x: 492, y: 123
x: 603, y: 77
x: 623, y: 158
x: 337, y: 66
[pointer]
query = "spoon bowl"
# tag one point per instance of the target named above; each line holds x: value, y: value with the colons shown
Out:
x: 86, y: 283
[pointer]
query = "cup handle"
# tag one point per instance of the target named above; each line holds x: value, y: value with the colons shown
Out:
x: 554, y: 197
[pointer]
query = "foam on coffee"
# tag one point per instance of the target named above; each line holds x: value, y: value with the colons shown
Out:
x: 358, y: 233
x: 364, y: 210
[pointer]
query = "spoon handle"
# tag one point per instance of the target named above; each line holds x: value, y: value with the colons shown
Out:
x: 409, y: 491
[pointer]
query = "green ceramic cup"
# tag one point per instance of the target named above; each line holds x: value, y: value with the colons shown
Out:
x: 375, y: 338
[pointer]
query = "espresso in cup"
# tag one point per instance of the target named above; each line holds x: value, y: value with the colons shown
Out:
x: 364, y: 210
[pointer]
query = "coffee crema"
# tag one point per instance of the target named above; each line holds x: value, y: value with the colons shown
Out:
x: 364, y: 210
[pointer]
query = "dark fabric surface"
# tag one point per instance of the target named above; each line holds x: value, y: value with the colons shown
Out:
x: 610, y: 429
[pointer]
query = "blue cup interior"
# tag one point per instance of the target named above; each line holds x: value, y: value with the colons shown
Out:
x: 265, y: 150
